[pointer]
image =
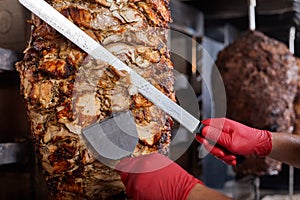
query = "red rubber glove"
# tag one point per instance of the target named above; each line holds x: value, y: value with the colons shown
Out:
x: 232, y: 139
x: 155, y: 177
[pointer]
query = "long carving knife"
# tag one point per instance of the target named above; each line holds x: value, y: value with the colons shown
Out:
x: 93, y: 133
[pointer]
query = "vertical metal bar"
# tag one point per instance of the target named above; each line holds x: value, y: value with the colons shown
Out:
x: 194, y: 56
x: 291, y: 182
x: 256, y: 183
x: 292, y: 36
x: 251, y: 7
x: 252, y: 27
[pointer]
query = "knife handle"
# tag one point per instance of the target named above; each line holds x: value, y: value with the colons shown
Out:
x: 239, y: 158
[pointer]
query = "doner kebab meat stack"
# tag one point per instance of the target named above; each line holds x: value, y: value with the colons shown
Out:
x: 66, y: 90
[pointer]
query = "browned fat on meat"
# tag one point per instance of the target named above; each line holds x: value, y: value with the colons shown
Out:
x: 260, y: 77
x: 65, y: 90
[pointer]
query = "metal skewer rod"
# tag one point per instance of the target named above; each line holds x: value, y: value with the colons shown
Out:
x: 194, y: 56
x: 292, y: 36
x: 291, y: 182
x: 256, y: 184
x: 252, y: 27
x: 251, y: 7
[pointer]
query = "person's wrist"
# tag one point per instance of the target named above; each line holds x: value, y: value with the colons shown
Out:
x: 195, y: 191
x: 264, y: 146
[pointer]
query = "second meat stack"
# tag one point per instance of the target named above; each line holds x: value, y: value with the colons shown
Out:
x: 260, y: 77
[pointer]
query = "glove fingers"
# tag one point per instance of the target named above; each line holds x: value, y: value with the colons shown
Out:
x: 215, y: 135
x: 224, y: 124
x: 124, y: 177
x: 125, y: 165
x: 145, y: 163
x: 217, y: 152
x: 210, y: 148
x: 211, y: 133
x: 231, y: 162
x: 228, y: 159
x: 215, y: 122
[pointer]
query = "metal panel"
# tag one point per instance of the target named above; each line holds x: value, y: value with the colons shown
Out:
x: 14, y: 30
x: 234, y: 8
x: 187, y: 19
x: 8, y: 59
x: 12, y: 153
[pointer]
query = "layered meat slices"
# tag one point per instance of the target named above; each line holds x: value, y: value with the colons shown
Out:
x: 65, y: 90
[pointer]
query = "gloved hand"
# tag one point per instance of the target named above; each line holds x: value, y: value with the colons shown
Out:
x: 155, y: 177
x: 233, y: 138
